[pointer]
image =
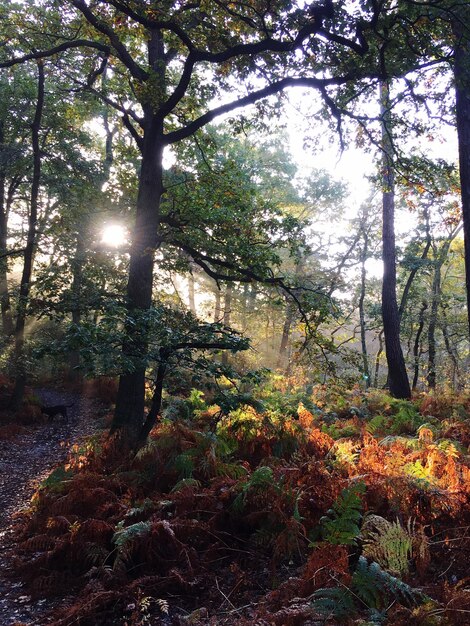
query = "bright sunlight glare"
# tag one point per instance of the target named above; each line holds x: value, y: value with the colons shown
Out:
x: 114, y: 235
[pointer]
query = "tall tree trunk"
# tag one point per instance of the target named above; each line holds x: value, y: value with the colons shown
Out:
x: 362, y: 316
x: 417, y: 344
x: 191, y: 293
x: 414, y: 271
x: 462, y: 107
x: 244, y: 307
x: 377, y: 358
x: 282, y: 360
x: 397, y: 375
x: 130, y: 402
x: 439, y: 260
x: 456, y: 377
x: 217, y: 304
x: 435, y: 298
x: 227, y: 316
x: 129, y: 412
x: 7, y: 321
x: 77, y: 280
x: 25, y: 285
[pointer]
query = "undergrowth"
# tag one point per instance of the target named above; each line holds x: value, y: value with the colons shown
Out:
x: 302, y: 507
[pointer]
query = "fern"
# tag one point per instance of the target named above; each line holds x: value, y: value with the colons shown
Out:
x: 377, y: 424
x: 125, y: 538
x: 333, y: 602
x: 388, y: 543
x: 340, y: 526
x: 184, y: 464
x: 259, y: 479
x: 376, y: 587
x: 56, y: 480
x: 371, y: 588
x: 185, y: 483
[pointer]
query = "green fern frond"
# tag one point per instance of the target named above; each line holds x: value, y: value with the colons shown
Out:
x: 333, y: 602
x: 261, y: 478
x: 231, y: 470
x: 340, y: 526
x: 376, y: 587
x: 184, y: 464
x: 124, y: 536
x: 377, y: 424
x: 387, y: 543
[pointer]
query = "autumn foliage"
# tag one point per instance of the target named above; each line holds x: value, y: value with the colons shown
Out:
x: 352, y: 510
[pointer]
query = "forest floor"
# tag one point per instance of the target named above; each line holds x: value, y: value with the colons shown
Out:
x: 25, y: 461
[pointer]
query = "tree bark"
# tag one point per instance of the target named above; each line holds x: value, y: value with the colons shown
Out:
x: 5, y: 306
x: 462, y: 107
x: 130, y: 402
x: 417, y: 344
x: 362, y: 316
x: 282, y: 360
x: 129, y: 410
x: 377, y: 358
x: 25, y: 285
x: 397, y: 375
x: 227, y: 316
x: 191, y: 293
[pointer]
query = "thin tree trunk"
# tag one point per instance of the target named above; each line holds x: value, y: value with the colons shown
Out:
x: 282, y: 360
x: 462, y: 107
x: 397, y: 376
x: 5, y: 306
x: 435, y: 297
x: 456, y: 379
x: 25, y: 285
x: 362, y: 317
x: 377, y: 358
x: 412, y: 274
x: 217, y: 305
x: 417, y: 343
x: 191, y: 293
x: 156, y: 406
x: 440, y: 259
x: 227, y: 316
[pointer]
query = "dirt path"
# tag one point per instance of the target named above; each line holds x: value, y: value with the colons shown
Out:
x: 24, y: 463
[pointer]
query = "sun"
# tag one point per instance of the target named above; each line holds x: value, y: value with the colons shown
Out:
x: 114, y: 235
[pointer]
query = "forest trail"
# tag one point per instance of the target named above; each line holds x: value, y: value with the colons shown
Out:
x: 24, y: 462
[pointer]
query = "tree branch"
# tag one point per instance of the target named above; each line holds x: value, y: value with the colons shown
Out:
x: 67, y: 45
x: 121, y: 51
x: 251, y: 98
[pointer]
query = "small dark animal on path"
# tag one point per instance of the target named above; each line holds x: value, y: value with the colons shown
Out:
x: 58, y: 409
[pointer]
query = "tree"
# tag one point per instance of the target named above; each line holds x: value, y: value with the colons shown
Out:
x: 168, y: 82
x: 397, y: 376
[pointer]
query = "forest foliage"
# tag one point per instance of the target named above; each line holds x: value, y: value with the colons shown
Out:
x: 286, y: 366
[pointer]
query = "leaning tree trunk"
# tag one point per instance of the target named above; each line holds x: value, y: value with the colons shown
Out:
x: 397, y: 375
x: 462, y: 107
x: 20, y: 377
